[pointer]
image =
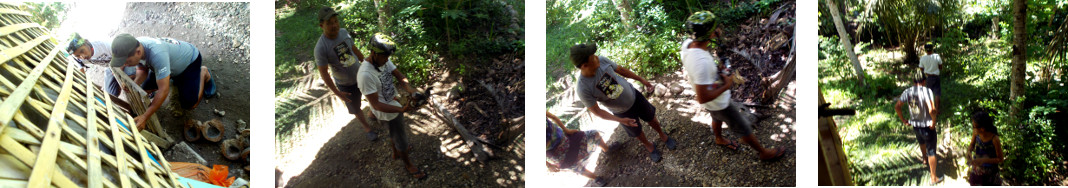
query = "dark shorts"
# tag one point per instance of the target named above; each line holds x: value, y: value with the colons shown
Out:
x: 927, y: 137
x: 188, y: 84
x: 935, y: 84
x: 641, y: 110
x: 112, y: 87
x: 732, y: 116
x: 354, y: 97
x: 398, y: 131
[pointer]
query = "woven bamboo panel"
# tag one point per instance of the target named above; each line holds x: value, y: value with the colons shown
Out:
x: 57, y: 129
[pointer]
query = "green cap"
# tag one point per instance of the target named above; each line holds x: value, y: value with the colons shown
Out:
x: 325, y: 13
x: 382, y: 44
x: 580, y: 53
x: 121, y: 47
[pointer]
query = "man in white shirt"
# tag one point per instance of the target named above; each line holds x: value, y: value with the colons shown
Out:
x: 922, y: 119
x: 931, y: 65
x: 375, y: 77
x: 712, y: 88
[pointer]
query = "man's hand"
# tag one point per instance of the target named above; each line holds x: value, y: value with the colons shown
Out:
x: 140, y: 122
x: 344, y: 96
x: 407, y: 108
x: 648, y: 87
x: 628, y: 122
x: 727, y: 80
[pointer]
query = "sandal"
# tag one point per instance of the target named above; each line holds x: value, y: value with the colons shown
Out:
x: 656, y: 155
x: 418, y: 174
x: 779, y: 153
x: 210, y: 88
x: 671, y: 143
x: 731, y: 144
x: 372, y: 136
x: 600, y: 182
x: 939, y: 181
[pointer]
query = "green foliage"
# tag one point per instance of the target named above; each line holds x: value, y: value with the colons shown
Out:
x: 429, y: 34
x: 1030, y: 146
x: 650, y: 46
x: 48, y: 14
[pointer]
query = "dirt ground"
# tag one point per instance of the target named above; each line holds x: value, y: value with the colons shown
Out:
x: 221, y: 32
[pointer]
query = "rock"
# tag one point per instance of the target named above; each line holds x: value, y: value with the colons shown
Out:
x: 220, y: 112
x: 675, y: 90
x: 661, y: 90
x: 183, y: 153
x: 241, y: 124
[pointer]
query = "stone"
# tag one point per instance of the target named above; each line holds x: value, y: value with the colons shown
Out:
x: 181, y: 152
x: 220, y: 112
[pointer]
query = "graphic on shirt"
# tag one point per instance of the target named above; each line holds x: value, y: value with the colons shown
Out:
x: 609, y: 86
x: 387, y: 91
x: 343, y: 55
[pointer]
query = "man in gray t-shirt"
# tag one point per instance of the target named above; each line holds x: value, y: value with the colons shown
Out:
x: 335, y: 50
x: 601, y: 81
x: 920, y: 101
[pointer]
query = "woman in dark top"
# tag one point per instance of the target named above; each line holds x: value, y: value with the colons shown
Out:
x: 985, y: 151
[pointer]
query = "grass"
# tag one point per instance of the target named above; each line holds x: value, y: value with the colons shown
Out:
x: 297, y: 35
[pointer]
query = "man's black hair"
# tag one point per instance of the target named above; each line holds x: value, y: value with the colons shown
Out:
x: 918, y: 80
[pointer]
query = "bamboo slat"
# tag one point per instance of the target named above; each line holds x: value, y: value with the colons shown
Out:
x: 57, y: 129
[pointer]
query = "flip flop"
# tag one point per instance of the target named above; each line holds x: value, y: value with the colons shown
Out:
x: 600, y: 182
x: 209, y: 88
x: 655, y: 156
x: 419, y: 174
x: 372, y: 136
x: 778, y: 155
x: 731, y: 144
x: 939, y: 181
x: 671, y: 143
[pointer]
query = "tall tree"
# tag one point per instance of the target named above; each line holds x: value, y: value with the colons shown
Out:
x: 1019, y: 55
x: 382, y: 13
x: 843, y: 36
x: 624, y: 11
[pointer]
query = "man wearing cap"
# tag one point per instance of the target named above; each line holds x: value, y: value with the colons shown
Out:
x: 922, y: 119
x: 336, y: 55
x: 713, y: 89
x: 931, y: 66
x: 100, y: 51
x: 600, y: 81
x: 376, y: 77
x: 169, y: 59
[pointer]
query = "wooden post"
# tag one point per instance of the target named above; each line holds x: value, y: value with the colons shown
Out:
x: 832, y: 156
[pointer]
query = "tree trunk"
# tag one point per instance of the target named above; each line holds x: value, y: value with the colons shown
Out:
x: 624, y: 11
x: 782, y: 78
x: 1019, y: 55
x: 844, y: 37
x: 909, y: 46
x: 382, y: 13
x: 994, y: 27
